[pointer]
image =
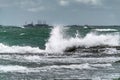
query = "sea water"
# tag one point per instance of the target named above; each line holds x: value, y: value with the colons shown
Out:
x: 39, y: 53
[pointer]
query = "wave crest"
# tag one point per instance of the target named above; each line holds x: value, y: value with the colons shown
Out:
x: 105, y: 29
x: 19, y: 49
x: 58, y: 43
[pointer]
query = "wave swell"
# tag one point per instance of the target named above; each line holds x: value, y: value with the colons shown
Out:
x: 59, y: 41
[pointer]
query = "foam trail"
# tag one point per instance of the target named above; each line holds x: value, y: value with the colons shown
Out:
x: 105, y: 29
x: 11, y: 68
x: 58, y: 43
x: 19, y: 49
x: 75, y: 66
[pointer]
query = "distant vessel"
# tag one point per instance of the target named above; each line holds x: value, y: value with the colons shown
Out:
x: 39, y: 24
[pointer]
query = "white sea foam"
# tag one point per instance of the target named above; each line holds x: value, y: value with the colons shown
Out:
x: 102, y: 65
x: 85, y: 27
x: 22, y: 34
x: 74, y: 66
x: 79, y: 66
x: 111, y: 51
x: 58, y: 43
x: 105, y: 29
x: 11, y: 68
x: 32, y: 58
x: 4, y: 31
x: 19, y: 49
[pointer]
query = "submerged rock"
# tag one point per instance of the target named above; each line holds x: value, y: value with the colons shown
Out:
x: 93, y: 49
x: 117, y: 61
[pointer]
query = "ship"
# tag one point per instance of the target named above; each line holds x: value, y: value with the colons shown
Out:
x: 39, y: 24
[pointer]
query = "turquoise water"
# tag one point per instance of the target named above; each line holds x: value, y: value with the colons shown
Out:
x: 37, y: 37
x: 24, y: 36
x: 38, y: 53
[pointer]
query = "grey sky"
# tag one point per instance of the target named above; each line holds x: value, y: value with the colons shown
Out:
x: 96, y: 12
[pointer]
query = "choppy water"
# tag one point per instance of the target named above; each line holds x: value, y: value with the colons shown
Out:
x: 38, y: 53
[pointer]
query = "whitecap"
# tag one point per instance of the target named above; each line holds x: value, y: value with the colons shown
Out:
x: 19, y: 49
x: 58, y: 42
x: 12, y: 68
x: 105, y: 29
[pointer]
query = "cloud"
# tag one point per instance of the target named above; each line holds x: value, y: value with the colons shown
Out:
x: 64, y: 2
x: 93, y: 2
x: 31, y: 5
x: 28, y: 5
x: 87, y: 2
x: 36, y: 9
x: 3, y: 5
x: 40, y: 5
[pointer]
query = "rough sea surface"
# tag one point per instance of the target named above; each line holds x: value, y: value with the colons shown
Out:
x: 39, y: 53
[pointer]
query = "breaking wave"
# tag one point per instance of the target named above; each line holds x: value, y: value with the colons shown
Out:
x: 19, y: 49
x: 11, y: 68
x: 105, y: 29
x: 77, y: 66
x: 58, y: 41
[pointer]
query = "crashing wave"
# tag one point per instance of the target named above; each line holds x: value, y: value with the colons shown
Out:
x: 105, y: 29
x: 59, y: 43
x: 19, y: 49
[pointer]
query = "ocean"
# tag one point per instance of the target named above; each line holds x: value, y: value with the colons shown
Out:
x: 60, y: 53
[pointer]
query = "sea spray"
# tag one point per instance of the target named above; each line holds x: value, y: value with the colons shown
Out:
x: 58, y: 43
x: 56, y: 40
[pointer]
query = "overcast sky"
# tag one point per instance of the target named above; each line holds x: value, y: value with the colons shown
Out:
x: 94, y: 12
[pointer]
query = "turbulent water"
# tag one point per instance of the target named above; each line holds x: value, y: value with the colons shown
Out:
x: 39, y: 53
